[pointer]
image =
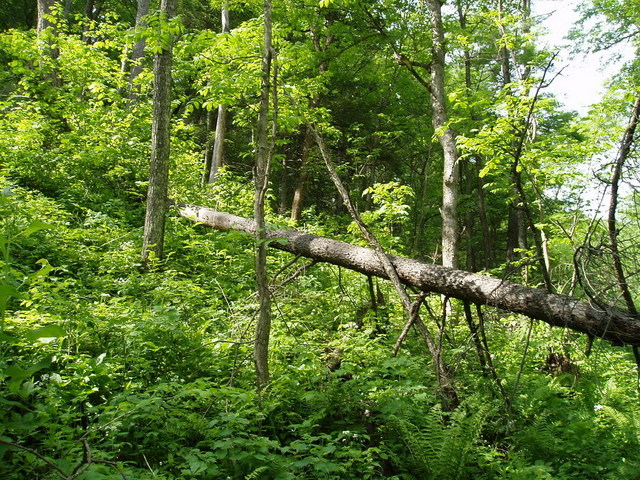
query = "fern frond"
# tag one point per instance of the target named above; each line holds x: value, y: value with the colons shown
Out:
x: 458, y: 442
x: 438, y: 450
x: 256, y: 473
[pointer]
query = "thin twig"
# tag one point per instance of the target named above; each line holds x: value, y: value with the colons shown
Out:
x: 147, y: 464
x: 60, y: 472
x: 522, y: 361
x: 293, y: 276
x: 286, y: 265
x: 413, y: 315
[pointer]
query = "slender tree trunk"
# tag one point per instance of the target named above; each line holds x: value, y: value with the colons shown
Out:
x: 217, y: 155
x: 625, y: 150
x: 301, y: 180
x: 44, y: 9
x: 484, y: 221
x: 217, y: 159
x: 91, y: 12
x: 263, y: 327
x: 516, y: 231
x: 300, y: 188
x: 153, y: 237
x: 444, y: 377
x: 447, y: 138
x: 503, y: 52
x: 47, y: 32
x: 137, y: 54
x: 66, y: 12
x: 208, y: 147
x: 420, y: 203
x: 469, y: 173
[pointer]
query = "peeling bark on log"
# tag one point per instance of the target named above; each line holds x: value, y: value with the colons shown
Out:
x: 612, y: 324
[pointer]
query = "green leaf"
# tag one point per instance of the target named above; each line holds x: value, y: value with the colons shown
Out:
x: 303, y: 463
x: 35, y: 226
x: 44, y: 271
x: 15, y: 372
x: 326, y: 467
x: 47, y: 331
x: 7, y: 338
x: 8, y: 291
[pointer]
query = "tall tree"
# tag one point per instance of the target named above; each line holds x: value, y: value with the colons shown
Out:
x: 447, y: 138
x: 44, y: 9
x: 217, y: 155
x: 263, y: 327
x: 320, y: 46
x: 153, y: 237
x: 137, y: 53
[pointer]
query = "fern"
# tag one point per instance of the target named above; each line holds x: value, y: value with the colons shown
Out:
x: 256, y: 473
x: 420, y: 442
x: 626, y: 425
x: 459, y: 441
x: 539, y: 438
x: 439, y: 450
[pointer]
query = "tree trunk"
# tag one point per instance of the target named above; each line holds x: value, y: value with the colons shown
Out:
x: 447, y: 137
x: 47, y: 31
x: 484, y: 221
x: 217, y: 158
x: 208, y: 147
x: 137, y: 54
x: 263, y: 327
x: 303, y: 174
x: 153, y: 237
x: 616, y: 177
x: 44, y: 9
x: 300, y: 189
x: 93, y: 12
x: 609, y: 323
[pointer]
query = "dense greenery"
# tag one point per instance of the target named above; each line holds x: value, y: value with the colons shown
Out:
x: 109, y: 370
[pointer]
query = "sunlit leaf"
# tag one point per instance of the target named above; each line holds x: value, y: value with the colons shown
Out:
x: 47, y: 331
x: 35, y: 226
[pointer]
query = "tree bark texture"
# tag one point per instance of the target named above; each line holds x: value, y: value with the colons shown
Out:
x: 616, y: 177
x: 44, y: 9
x: 447, y: 137
x: 263, y: 327
x: 153, y: 237
x: 303, y: 175
x: 217, y: 157
x: 137, y: 54
x: 609, y: 323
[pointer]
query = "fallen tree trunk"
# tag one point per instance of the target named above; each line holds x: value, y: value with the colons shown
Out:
x: 613, y: 324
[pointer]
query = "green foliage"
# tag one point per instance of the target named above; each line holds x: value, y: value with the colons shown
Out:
x: 438, y: 447
x: 390, y: 210
x: 83, y: 135
x: 153, y: 370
